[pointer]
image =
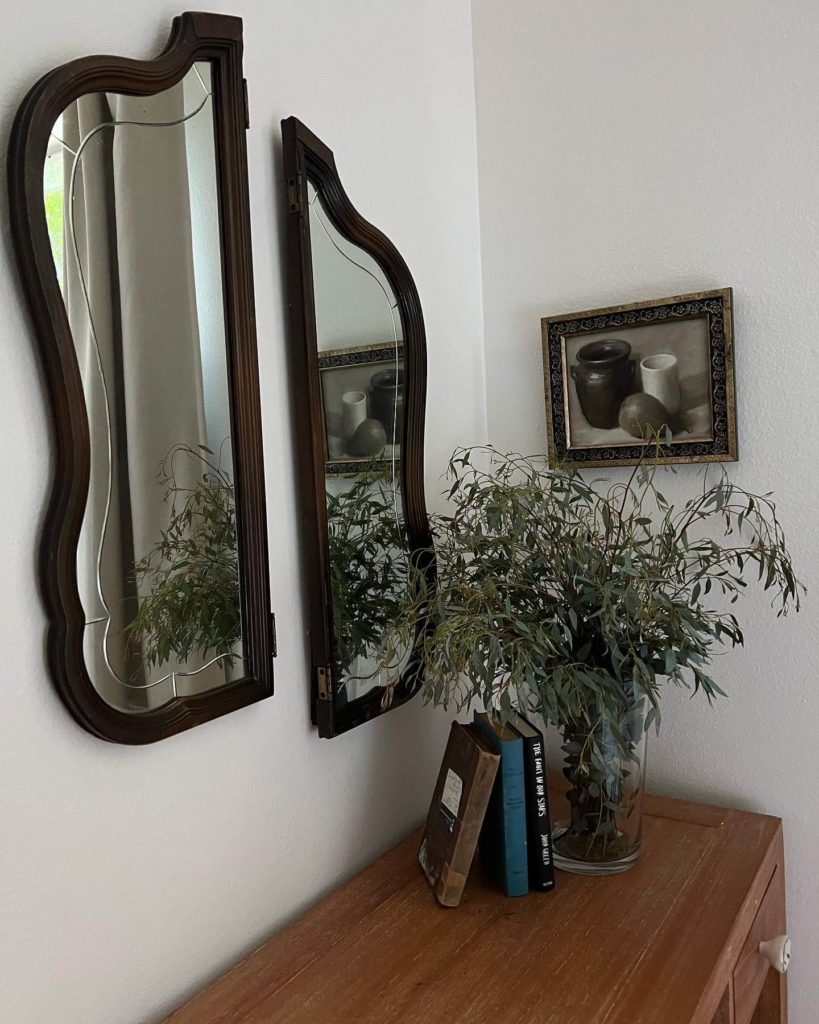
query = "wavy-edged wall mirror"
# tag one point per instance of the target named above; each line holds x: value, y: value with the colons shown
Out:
x: 129, y: 206
x: 359, y: 356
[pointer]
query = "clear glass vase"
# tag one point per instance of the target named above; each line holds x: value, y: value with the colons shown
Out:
x: 604, y: 760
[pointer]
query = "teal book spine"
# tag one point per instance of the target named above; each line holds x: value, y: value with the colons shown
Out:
x: 503, y: 836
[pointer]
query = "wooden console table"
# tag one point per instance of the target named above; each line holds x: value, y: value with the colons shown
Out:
x: 675, y: 940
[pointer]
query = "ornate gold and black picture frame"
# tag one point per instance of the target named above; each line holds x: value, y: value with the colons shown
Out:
x: 617, y: 377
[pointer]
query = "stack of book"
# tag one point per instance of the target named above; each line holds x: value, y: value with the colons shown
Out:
x: 516, y: 838
x: 492, y: 784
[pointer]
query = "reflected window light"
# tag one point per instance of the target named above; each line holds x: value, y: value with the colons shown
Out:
x: 54, y: 197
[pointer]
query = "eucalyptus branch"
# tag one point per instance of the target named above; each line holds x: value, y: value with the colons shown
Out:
x: 575, y: 594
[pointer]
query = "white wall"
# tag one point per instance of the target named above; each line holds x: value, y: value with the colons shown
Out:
x: 625, y: 151
x: 129, y: 875
x: 642, y: 149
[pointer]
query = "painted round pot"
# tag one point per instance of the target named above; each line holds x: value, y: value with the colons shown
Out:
x: 603, y: 377
x: 387, y: 401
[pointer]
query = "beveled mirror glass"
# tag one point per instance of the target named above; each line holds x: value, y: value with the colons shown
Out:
x: 143, y: 194
x: 131, y: 200
x: 360, y: 346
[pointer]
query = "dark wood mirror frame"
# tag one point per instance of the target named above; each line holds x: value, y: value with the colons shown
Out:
x: 306, y: 157
x: 194, y: 36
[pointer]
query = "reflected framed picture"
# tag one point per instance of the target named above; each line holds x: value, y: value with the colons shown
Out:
x: 362, y: 393
x: 615, y: 377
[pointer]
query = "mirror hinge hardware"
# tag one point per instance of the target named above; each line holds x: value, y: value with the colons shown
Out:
x: 323, y: 679
x: 294, y: 194
x: 273, y: 641
x: 246, y: 103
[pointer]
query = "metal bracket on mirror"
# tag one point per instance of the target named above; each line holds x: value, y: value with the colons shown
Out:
x: 323, y: 677
x: 294, y: 190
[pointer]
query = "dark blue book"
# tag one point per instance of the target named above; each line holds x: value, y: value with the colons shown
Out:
x: 538, y: 817
x: 503, y: 836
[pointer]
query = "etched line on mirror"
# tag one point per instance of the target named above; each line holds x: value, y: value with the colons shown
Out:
x: 198, y: 74
x: 56, y: 138
x: 132, y: 124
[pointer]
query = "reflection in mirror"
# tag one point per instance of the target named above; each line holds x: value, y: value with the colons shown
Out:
x: 130, y: 188
x: 361, y: 366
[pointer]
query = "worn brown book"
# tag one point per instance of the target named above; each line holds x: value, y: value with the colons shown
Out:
x: 457, y: 810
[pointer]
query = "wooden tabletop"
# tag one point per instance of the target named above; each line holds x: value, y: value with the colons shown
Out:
x: 654, y: 944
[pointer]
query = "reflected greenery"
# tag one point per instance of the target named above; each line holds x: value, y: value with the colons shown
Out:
x: 190, y: 578
x: 369, y: 570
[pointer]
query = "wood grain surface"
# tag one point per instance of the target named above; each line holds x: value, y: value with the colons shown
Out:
x: 658, y: 943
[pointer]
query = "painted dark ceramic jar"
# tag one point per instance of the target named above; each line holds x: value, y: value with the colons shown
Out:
x: 603, y: 376
x: 387, y: 401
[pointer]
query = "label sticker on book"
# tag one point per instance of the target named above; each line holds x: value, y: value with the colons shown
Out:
x: 451, y: 797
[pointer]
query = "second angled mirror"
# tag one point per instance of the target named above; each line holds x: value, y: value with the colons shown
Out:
x: 361, y: 374
x: 361, y: 358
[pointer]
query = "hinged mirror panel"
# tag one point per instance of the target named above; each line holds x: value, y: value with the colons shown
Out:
x: 128, y: 183
x: 360, y: 358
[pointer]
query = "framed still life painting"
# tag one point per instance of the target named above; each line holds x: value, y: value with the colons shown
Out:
x: 616, y: 377
x: 362, y: 390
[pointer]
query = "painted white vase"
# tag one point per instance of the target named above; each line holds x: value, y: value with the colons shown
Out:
x: 353, y: 412
x: 661, y: 379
